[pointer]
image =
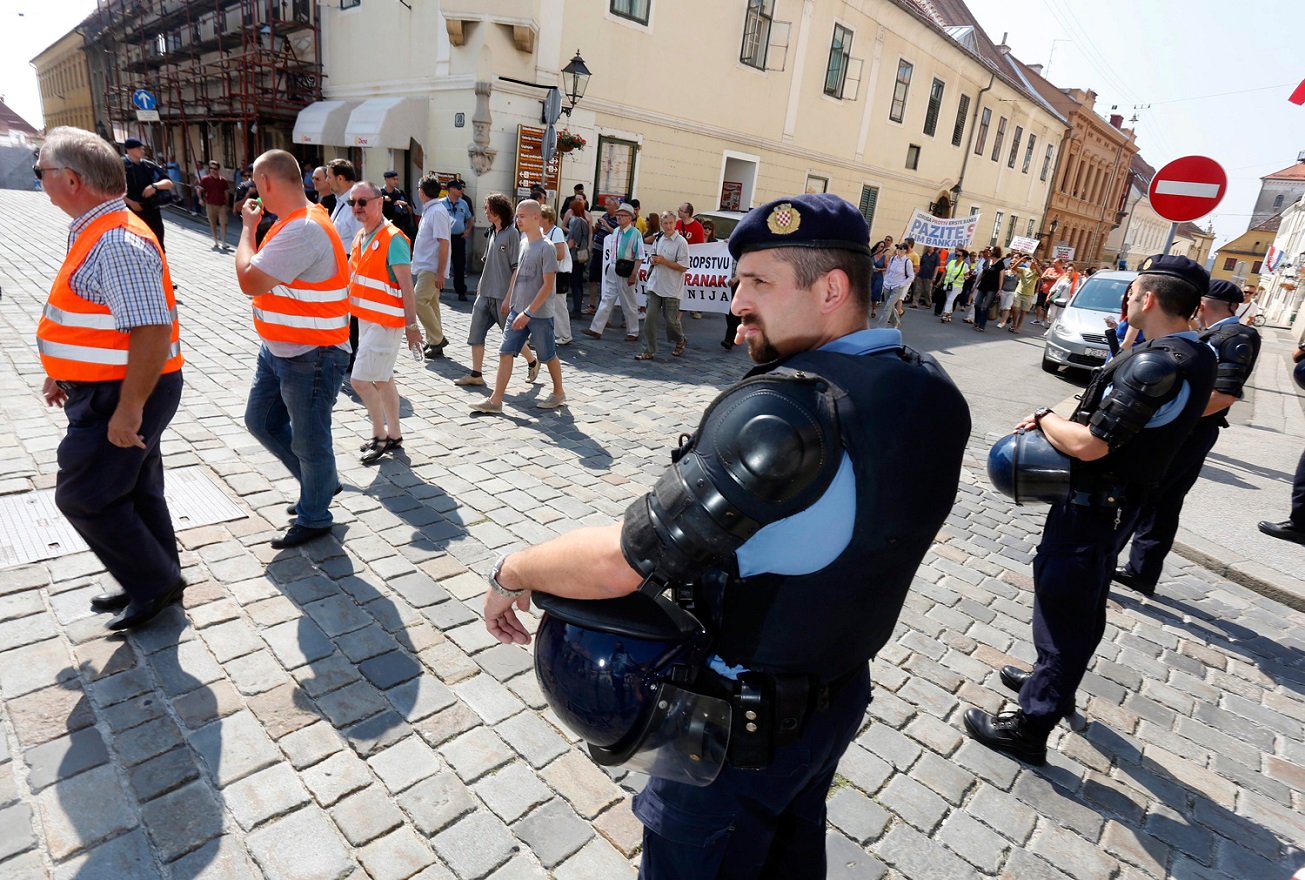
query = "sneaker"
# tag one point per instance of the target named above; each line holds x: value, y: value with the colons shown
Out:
x: 1001, y: 324
x: 553, y: 401
x: 487, y: 406
x: 469, y: 379
x: 532, y: 370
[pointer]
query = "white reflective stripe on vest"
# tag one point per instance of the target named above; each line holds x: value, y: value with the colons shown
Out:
x: 301, y: 320
x: 335, y: 294
x: 377, y: 285
x: 82, y: 353
x: 87, y: 320
x: 374, y: 306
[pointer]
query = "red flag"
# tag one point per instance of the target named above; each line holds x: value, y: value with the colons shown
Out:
x: 1298, y: 96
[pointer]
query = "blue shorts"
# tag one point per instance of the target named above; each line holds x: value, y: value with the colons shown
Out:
x: 539, y: 331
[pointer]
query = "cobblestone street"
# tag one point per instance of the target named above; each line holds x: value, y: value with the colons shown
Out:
x: 339, y: 710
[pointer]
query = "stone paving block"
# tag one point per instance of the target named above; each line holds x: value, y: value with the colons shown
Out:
x: 182, y: 820
x: 575, y: 777
x: 221, y: 859
x: 234, y: 747
x: 512, y: 791
x: 475, y: 753
x: 232, y: 639
x: 621, y: 829
x: 337, y: 615
x: 437, y: 802
x: 43, y: 715
x: 16, y: 833
x: 1004, y: 813
x: 405, y: 764
x: 910, y: 853
x: 64, y: 757
x: 121, y: 686
x: 935, y: 734
x: 40, y: 665
x: 336, y: 776
x: 476, y: 845
x: 162, y: 773
x: 308, y: 745
x: 366, y: 815
x: 489, y: 699
x: 973, y: 841
x: 847, y: 861
x: 913, y: 802
x: 421, y: 697
x: 856, y: 815
x: 378, y: 732
x: 265, y: 794
x: 255, y: 673
x: 326, y: 675
x: 419, y: 589
x: 532, y: 737
x: 1023, y: 865
x: 370, y: 641
x: 205, y: 704
x: 944, y: 777
x: 149, y: 706
x: 446, y: 724
x: 282, y: 710
x: 99, y: 659
x: 351, y: 704
x: 301, y: 846
x: 397, y: 856
x: 596, y: 859
x: 894, y: 747
x: 1064, y: 846
x: 1057, y: 804
x: 297, y: 642
x: 127, y: 855
x: 1136, y: 847
x: 505, y: 661
x: 79, y: 812
x: 472, y: 637
x: 866, y: 771
x: 389, y: 669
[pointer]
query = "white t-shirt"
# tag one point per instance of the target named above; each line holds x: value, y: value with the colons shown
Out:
x: 345, y: 223
x: 436, y: 226
x: 556, y: 236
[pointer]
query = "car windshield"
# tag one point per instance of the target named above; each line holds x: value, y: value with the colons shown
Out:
x: 1101, y: 294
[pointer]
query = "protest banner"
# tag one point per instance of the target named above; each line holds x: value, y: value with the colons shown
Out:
x: 1024, y: 244
x: 941, y: 233
x: 706, y: 284
x: 1062, y: 252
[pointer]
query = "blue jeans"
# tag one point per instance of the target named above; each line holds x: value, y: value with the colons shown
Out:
x: 289, y: 412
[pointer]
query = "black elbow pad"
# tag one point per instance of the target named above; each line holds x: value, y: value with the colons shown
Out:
x: 1142, y: 384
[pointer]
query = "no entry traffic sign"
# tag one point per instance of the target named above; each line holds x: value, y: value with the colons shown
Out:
x: 1188, y: 188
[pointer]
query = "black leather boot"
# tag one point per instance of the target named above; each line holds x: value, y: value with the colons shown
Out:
x: 1008, y: 732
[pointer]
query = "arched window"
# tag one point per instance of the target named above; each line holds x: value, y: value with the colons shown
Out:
x: 1277, y: 203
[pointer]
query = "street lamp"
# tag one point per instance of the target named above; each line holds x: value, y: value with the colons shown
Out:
x: 575, y: 79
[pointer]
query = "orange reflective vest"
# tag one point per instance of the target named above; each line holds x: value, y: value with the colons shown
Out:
x: 76, y: 338
x: 307, y: 312
x: 371, y: 294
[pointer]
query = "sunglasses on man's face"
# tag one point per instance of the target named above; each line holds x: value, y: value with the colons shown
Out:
x: 358, y: 203
x: 40, y: 172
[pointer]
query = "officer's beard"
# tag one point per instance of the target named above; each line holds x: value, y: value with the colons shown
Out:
x: 759, y: 347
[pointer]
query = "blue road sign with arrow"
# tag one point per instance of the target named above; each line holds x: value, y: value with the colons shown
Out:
x: 144, y: 100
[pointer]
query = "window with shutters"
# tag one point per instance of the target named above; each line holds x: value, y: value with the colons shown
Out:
x: 635, y: 10
x: 1032, y: 224
x: 897, y: 111
x: 984, y: 118
x: 1255, y: 267
x: 913, y: 156
x: 869, y: 198
x: 1028, y: 154
x: 1046, y: 164
x: 1010, y: 230
x: 1230, y: 264
x: 756, y: 33
x: 935, y: 107
x: 958, y: 130
x: 999, y: 139
x: 840, y: 55
x: 1015, y: 146
x: 996, y: 229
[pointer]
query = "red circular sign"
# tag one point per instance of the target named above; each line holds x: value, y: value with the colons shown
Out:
x: 1188, y: 188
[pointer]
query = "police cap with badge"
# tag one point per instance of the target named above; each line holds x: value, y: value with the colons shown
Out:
x: 626, y: 674
x: 1185, y: 270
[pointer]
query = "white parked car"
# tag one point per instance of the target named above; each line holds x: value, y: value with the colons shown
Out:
x: 1078, y: 329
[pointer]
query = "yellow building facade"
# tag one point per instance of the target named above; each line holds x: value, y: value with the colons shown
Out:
x: 65, y: 83
x: 1250, y: 247
x: 701, y: 102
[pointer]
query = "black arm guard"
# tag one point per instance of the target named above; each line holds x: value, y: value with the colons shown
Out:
x: 766, y: 449
x: 1237, y: 350
x: 1142, y: 384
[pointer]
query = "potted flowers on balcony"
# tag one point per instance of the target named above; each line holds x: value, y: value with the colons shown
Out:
x: 568, y: 141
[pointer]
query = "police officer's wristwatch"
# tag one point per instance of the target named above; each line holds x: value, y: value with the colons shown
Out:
x: 1039, y: 413
x: 499, y: 588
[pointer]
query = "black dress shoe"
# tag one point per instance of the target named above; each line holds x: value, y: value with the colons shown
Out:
x: 137, y: 613
x: 1285, y: 530
x: 110, y: 601
x: 293, y: 509
x: 298, y: 534
x: 1014, y: 677
x: 433, y: 352
x: 1123, y: 576
x: 1008, y: 732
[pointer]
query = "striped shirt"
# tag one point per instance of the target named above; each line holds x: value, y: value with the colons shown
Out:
x: 123, y: 271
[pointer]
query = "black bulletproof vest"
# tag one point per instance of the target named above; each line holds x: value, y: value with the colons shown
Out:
x: 904, y: 425
x: 1217, y: 338
x: 1137, y: 466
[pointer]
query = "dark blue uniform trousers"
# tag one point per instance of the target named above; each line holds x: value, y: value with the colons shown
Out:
x: 114, y: 497
x: 1154, y: 524
x: 1071, y: 581
x: 754, y: 823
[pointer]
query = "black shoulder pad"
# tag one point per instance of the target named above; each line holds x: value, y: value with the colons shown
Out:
x: 1143, y: 383
x: 766, y: 449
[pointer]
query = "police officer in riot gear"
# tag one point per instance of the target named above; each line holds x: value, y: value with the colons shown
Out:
x: 788, y: 527
x: 1132, y: 418
x: 1153, y: 525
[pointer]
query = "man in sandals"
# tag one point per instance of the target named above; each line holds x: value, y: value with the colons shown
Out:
x: 670, y: 260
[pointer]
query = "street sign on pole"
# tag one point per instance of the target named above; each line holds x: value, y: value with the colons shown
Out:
x: 552, y: 106
x: 1188, y: 188
x: 147, y: 106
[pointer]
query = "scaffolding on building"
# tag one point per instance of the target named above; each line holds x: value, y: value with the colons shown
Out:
x: 229, y: 76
